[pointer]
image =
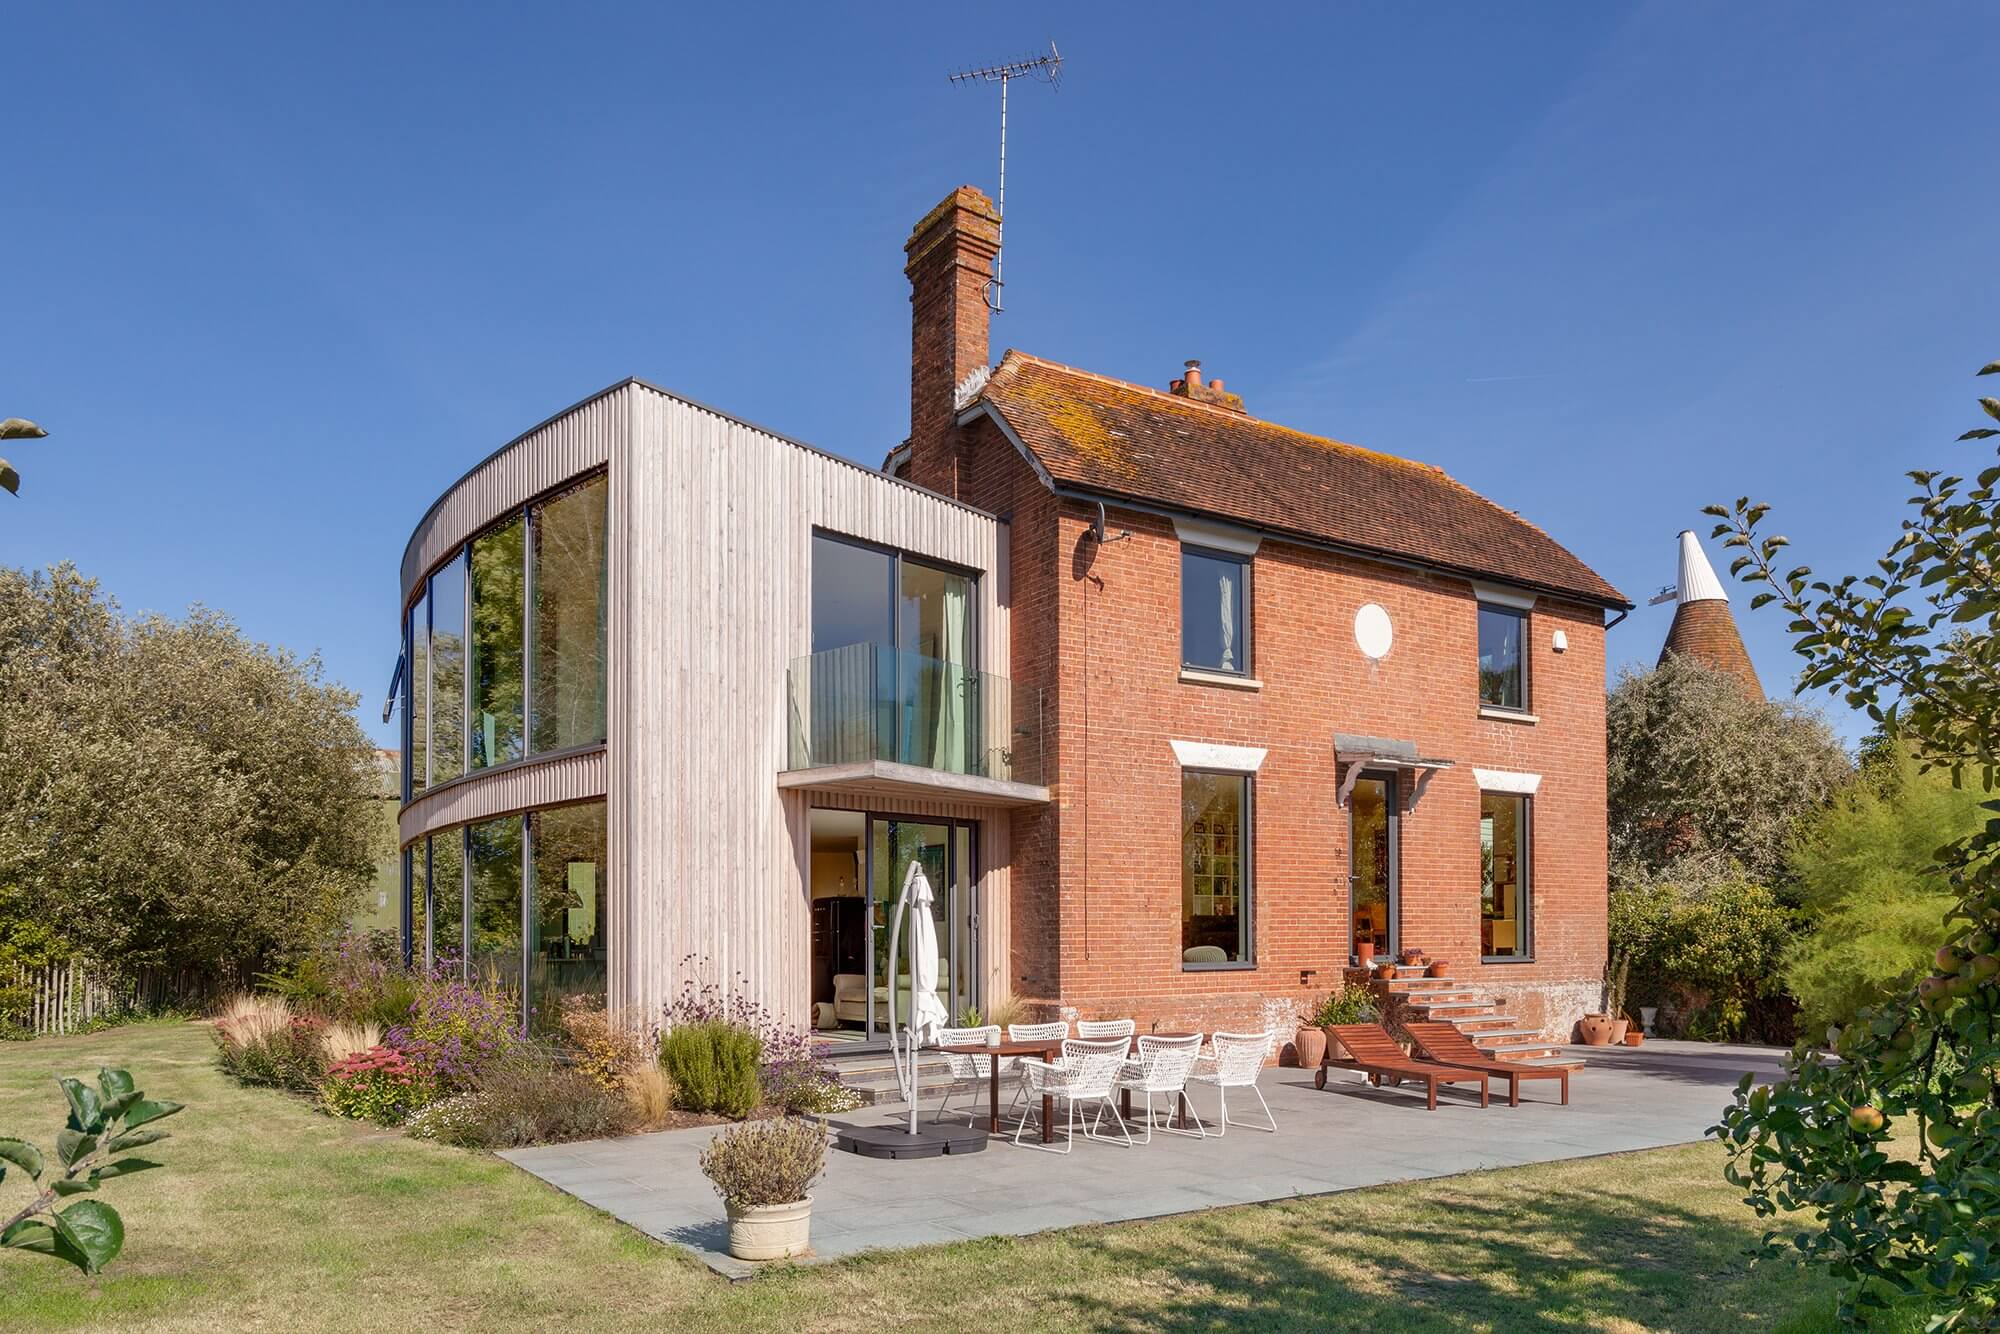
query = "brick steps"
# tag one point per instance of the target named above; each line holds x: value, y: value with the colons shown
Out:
x: 1478, y: 1017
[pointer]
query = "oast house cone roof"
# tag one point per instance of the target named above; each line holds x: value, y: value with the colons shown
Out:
x: 1703, y: 627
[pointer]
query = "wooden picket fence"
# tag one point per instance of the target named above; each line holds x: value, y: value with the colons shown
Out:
x: 66, y: 997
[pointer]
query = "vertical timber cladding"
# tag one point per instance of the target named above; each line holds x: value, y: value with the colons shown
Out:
x: 710, y: 601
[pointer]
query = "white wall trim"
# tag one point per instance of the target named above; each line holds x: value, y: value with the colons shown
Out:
x: 1217, y: 536
x: 1500, y: 595
x: 1507, y: 780
x: 1209, y: 755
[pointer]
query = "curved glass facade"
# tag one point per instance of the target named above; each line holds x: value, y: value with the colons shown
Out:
x: 521, y: 901
x: 505, y: 642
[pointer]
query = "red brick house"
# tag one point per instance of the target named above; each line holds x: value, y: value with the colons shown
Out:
x: 1181, y: 713
x: 1308, y: 699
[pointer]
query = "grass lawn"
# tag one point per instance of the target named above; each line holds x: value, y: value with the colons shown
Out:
x: 268, y: 1214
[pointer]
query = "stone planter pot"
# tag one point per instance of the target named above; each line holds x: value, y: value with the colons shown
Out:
x: 770, y: 1231
x: 1647, y: 1013
x: 1595, y: 1029
x: 1311, y: 1045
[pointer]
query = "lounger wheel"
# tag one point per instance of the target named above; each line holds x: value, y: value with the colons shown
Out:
x: 1319, y: 1078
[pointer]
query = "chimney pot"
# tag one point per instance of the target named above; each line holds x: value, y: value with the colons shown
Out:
x: 1193, y: 376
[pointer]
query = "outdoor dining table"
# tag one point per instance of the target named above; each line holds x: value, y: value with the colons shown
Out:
x: 1039, y: 1047
x: 1045, y: 1049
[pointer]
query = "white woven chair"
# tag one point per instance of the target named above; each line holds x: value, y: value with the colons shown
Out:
x: 1049, y: 1032
x: 1097, y: 1029
x: 1233, y: 1061
x: 967, y: 1072
x: 1163, y: 1066
x: 1087, y: 1073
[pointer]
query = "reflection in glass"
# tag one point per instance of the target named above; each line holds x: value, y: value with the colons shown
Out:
x: 1215, y: 600
x: 934, y: 621
x: 499, y: 572
x: 568, y: 953
x: 1215, y: 868
x: 444, y: 946
x: 448, y: 672
x: 897, y: 843
x: 496, y: 902
x: 417, y: 695
x: 569, y: 536
x: 1371, y: 863
x: 1502, y: 681
x: 852, y: 595
x: 851, y: 695
x: 1503, y: 875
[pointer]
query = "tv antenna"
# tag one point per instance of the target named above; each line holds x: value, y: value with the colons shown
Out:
x: 1048, y: 69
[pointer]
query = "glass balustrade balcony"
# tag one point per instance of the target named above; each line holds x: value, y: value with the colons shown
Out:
x: 867, y: 703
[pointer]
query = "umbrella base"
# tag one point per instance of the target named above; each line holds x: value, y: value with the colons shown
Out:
x: 896, y: 1141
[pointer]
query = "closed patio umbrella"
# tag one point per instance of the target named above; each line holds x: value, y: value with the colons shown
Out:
x: 927, y: 1013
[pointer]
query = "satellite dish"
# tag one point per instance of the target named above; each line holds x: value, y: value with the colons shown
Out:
x: 1097, y: 528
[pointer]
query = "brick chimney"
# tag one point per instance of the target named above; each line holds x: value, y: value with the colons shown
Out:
x: 1212, y: 393
x: 950, y: 262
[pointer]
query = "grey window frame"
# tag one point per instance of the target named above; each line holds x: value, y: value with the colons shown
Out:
x: 1525, y: 870
x: 1245, y: 563
x: 1521, y: 614
x: 1248, y: 963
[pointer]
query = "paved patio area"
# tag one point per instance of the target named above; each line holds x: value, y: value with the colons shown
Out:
x: 1346, y: 1137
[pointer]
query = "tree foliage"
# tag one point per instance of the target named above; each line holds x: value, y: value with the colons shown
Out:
x: 170, y: 792
x: 1913, y: 644
x: 1702, y: 774
x: 1871, y: 887
x: 1710, y: 951
x: 16, y: 428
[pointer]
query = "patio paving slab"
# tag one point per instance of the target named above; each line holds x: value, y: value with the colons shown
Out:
x: 1346, y: 1137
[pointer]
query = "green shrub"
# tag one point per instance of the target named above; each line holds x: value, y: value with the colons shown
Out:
x: 1711, y: 954
x: 533, y: 1099
x: 1874, y: 893
x: 713, y: 1066
x: 1354, y: 1005
x: 771, y: 1162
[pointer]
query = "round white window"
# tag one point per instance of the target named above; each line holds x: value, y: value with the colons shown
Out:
x: 1373, y: 632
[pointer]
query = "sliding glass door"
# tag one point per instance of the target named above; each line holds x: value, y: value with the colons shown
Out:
x: 945, y: 852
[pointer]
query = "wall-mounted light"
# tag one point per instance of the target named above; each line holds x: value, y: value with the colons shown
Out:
x: 1559, y: 642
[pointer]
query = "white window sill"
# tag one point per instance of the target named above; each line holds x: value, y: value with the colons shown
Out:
x: 1492, y: 714
x: 1196, y: 676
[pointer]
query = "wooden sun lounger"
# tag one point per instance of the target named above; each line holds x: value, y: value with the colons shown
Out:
x: 1374, y: 1053
x: 1447, y: 1045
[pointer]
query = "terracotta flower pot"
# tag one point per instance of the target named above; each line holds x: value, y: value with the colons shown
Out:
x: 1384, y: 971
x: 1619, y: 1027
x: 1634, y: 1038
x: 1438, y: 968
x: 1364, y: 953
x: 1596, y: 1030
x: 1311, y: 1044
x: 770, y: 1231
x: 1412, y: 957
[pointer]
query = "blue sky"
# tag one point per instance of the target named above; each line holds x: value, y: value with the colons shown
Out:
x: 275, y: 278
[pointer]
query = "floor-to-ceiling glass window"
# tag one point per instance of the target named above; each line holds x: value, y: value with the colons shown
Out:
x: 417, y: 695
x: 894, y: 846
x: 568, y: 953
x: 445, y: 942
x: 1215, y: 869
x: 448, y: 672
x: 934, y: 640
x: 569, y: 564
x: 1503, y: 866
x: 849, y: 688
x: 1372, y: 862
x: 499, y: 566
x: 495, y: 847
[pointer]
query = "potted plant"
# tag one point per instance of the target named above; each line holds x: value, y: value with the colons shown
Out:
x: 1614, y: 995
x: 1364, y: 952
x: 1438, y: 968
x: 1385, y: 970
x: 1600, y: 1028
x: 1634, y: 1035
x: 1412, y: 956
x: 763, y: 1171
